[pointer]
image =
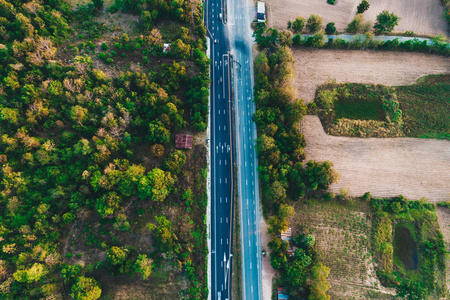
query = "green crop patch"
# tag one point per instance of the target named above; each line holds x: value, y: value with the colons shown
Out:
x: 356, y: 109
x: 418, y: 110
x: 426, y: 107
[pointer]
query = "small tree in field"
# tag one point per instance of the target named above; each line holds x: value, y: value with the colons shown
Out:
x: 298, y: 24
x: 314, y: 23
x: 363, y: 6
x: 386, y: 22
x: 331, y: 28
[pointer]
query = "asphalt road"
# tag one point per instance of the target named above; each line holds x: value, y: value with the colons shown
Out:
x: 221, y: 153
x: 240, y: 17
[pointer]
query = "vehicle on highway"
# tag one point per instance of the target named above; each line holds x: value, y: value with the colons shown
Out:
x: 219, y: 295
x: 220, y: 80
x: 216, y: 41
x: 220, y: 16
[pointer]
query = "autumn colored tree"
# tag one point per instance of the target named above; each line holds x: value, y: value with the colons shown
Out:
x: 314, y: 23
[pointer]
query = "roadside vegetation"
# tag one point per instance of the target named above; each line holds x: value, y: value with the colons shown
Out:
x: 95, y: 201
x: 361, y: 110
x: 284, y: 178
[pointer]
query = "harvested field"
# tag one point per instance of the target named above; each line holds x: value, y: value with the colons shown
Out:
x: 388, y: 167
x: 424, y: 17
x: 315, y: 67
x: 343, y: 243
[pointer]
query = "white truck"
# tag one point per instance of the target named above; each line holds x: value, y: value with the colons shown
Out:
x: 261, y: 12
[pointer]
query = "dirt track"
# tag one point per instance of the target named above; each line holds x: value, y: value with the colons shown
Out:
x: 412, y: 167
x: 315, y: 67
x: 420, y: 16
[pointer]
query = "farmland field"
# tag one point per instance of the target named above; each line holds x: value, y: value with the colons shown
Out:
x: 315, y: 67
x: 386, y: 167
x: 420, y: 16
x: 343, y: 241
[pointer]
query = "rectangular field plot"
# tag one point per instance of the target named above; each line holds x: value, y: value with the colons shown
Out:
x: 343, y: 242
x: 423, y: 17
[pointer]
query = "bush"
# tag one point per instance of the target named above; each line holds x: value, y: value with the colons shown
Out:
x: 363, y: 6
x: 331, y: 2
x: 314, y: 23
x: 331, y: 28
x: 386, y: 22
x: 104, y: 47
x: 298, y: 24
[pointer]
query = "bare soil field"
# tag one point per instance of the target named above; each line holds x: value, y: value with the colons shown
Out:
x: 343, y: 243
x: 414, y: 168
x: 424, y: 17
x: 315, y: 67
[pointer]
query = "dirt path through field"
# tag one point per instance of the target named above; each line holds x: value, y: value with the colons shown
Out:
x: 423, y: 17
x: 388, y: 167
x: 315, y: 67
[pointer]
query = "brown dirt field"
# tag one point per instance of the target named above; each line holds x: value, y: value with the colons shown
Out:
x: 423, y: 17
x: 414, y: 168
x: 343, y: 243
x: 315, y: 67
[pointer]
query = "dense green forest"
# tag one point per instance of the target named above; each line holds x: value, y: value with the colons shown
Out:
x: 92, y: 190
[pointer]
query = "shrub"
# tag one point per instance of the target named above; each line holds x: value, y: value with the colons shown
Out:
x: 331, y: 2
x: 386, y: 22
x: 363, y: 6
x: 318, y: 40
x: 104, y: 47
x: 314, y: 23
x: 298, y: 24
x: 331, y: 28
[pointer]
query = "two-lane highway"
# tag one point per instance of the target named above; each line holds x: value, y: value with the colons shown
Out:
x: 221, y: 150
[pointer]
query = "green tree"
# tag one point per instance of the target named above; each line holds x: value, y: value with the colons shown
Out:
x: 297, y: 40
x: 70, y: 273
x: 33, y: 274
x: 411, y: 290
x: 85, y: 289
x: 314, y: 23
x: 363, y: 6
x: 143, y: 266
x: 164, y: 236
x: 386, y: 22
x: 319, y: 283
x: 108, y: 204
x: 98, y: 4
x: 357, y: 25
x: 296, y: 272
x: 318, y: 39
x: 285, y: 38
x: 158, y: 133
x: 298, y: 24
x: 156, y: 185
x: 319, y: 175
x: 116, y: 258
x: 78, y: 114
x: 181, y: 49
x: 175, y: 162
x: 331, y: 28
